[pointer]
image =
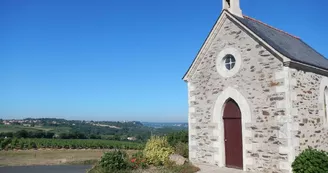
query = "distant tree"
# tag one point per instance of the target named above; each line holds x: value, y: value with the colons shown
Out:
x: 9, y: 134
x: 50, y: 135
x: 93, y: 136
x: 116, y: 137
x: 176, y: 137
x: 63, y: 136
x: 21, y: 134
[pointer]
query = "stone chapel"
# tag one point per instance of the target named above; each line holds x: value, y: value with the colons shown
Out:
x: 257, y: 96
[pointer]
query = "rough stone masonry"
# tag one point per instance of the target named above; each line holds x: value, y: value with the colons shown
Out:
x: 285, y: 104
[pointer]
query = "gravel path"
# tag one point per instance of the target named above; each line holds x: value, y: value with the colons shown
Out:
x: 46, y: 169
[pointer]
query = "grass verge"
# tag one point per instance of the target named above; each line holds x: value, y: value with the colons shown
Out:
x: 186, y: 168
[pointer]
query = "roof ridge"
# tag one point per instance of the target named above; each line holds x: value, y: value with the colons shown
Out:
x: 271, y: 27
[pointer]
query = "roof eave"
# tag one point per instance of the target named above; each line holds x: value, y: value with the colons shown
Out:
x: 306, y: 67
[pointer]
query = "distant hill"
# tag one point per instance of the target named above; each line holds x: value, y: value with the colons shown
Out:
x: 162, y: 125
x: 112, y: 130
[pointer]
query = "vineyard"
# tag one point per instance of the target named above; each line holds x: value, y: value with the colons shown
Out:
x: 24, y: 144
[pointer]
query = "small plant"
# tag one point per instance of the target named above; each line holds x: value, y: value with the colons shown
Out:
x: 114, y: 161
x: 311, y: 161
x: 157, y: 150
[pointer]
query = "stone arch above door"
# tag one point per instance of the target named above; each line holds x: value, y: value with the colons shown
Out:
x: 225, y: 95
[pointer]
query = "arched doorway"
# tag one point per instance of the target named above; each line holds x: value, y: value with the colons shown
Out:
x: 233, y: 135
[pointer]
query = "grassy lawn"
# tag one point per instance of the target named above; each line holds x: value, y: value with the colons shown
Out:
x: 51, y: 157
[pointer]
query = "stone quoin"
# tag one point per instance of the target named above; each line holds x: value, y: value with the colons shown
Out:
x: 257, y: 96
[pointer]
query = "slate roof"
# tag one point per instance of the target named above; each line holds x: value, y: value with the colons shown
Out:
x: 288, y: 45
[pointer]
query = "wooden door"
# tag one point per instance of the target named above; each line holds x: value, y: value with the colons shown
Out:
x: 233, y: 135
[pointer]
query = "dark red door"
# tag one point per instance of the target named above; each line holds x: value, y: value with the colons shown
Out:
x: 233, y: 135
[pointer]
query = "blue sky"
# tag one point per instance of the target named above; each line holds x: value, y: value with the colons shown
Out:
x: 120, y: 60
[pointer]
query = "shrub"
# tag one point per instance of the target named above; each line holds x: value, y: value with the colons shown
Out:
x: 311, y: 161
x: 182, y: 149
x: 138, y: 161
x: 114, y: 161
x: 5, y: 143
x: 157, y: 150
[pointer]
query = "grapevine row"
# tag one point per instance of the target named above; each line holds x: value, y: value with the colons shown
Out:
x: 23, y: 144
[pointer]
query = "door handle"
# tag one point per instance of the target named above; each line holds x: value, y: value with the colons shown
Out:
x: 225, y: 140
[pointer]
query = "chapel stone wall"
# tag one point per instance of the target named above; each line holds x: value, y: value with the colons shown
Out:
x: 261, y: 80
x: 308, y: 111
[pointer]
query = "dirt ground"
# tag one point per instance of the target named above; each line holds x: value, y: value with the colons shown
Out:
x: 50, y: 157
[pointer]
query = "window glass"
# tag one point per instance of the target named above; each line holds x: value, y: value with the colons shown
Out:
x: 229, y: 62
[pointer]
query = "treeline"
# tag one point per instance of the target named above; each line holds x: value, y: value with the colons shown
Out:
x: 27, y: 134
x: 178, y: 137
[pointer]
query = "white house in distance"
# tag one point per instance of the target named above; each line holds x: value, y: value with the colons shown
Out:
x: 257, y: 96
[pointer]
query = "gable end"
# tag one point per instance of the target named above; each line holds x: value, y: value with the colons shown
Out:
x: 226, y: 15
x: 291, y: 50
x: 216, y: 27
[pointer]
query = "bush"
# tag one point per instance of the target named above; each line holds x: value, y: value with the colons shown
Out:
x: 114, y: 161
x: 311, y: 161
x: 138, y: 161
x: 157, y: 150
x: 182, y: 149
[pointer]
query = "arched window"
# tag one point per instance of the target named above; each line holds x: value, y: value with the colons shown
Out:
x: 326, y: 104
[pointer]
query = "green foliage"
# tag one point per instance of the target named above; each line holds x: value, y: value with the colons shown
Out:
x: 4, y: 143
x: 176, y: 137
x: 179, y: 140
x: 182, y: 149
x: 28, y: 134
x: 98, y: 169
x: 114, y: 160
x: 157, y: 150
x: 75, y: 129
x: 8, y: 144
x: 138, y: 161
x: 21, y: 134
x: 72, y: 135
x: 186, y: 168
x: 311, y: 161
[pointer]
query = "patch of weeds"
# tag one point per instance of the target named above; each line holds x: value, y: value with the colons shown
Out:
x: 83, y: 162
x: 186, y: 168
x: 98, y: 169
